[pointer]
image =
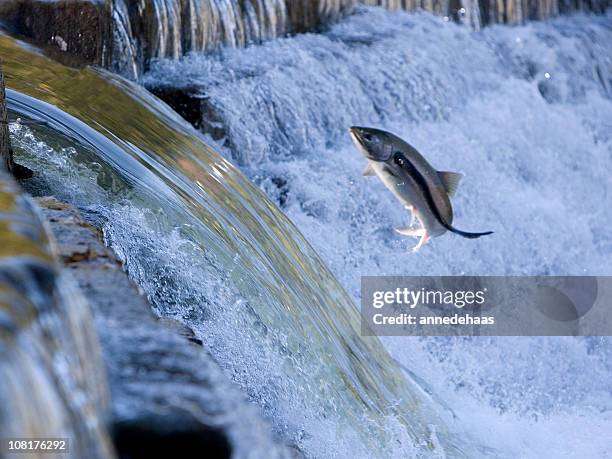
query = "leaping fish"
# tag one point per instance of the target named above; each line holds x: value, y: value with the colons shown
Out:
x: 407, y: 174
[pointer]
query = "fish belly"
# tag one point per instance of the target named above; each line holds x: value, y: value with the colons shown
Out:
x: 431, y: 224
x: 408, y: 193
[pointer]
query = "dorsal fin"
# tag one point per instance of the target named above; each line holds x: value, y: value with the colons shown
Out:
x: 450, y: 180
x: 369, y: 170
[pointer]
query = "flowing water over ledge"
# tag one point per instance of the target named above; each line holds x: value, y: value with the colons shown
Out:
x: 212, y: 251
x: 143, y: 31
x: 524, y: 112
x: 126, y: 35
x: 170, y: 28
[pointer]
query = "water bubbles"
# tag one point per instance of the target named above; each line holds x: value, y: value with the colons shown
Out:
x: 406, y: 80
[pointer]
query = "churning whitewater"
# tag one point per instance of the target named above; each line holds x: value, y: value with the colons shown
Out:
x: 524, y: 113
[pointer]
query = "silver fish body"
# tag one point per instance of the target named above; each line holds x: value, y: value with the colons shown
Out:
x: 406, y: 189
x: 413, y: 181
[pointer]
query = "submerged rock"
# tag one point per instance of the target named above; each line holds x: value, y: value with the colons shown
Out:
x: 194, y: 107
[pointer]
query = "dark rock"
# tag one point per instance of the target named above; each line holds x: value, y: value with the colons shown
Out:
x: 74, y: 32
x: 182, y: 330
x: 549, y: 91
x: 194, y: 107
x: 283, y: 190
x: 6, y: 152
x: 49, y: 353
x: 167, y: 436
x: 304, y: 15
x: 5, y: 141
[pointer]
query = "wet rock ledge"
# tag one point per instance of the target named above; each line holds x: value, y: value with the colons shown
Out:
x: 167, y: 395
x: 52, y: 379
x: 147, y: 359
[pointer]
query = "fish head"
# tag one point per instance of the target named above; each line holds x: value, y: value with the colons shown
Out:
x: 374, y: 144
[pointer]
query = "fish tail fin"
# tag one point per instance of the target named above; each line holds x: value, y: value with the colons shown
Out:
x: 467, y: 234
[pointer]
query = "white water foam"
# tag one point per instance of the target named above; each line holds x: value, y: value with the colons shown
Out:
x: 524, y: 112
x: 282, y: 365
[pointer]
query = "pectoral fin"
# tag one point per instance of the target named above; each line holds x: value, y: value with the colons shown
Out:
x: 368, y: 171
x: 415, y: 232
x: 450, y: 180
x: 412, y: 232
x: 424, y: 239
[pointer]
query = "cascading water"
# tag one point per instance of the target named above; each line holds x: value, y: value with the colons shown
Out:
x: 168, y: 28
x: 154, y: 29
x: 210, y: 250
x: 524, y: 112
x: 285, y: 107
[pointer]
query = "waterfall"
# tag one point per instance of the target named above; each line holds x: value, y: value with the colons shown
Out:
x: 127, y: 35
x: 144, y: 31
x: 170, y: 28
x: 212, y: 251
x: 524, y: 112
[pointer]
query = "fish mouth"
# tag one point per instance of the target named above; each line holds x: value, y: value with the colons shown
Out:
x: 357, y: 136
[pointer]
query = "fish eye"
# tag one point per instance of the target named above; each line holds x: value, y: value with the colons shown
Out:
x: 399, y: 159
x: 367, y: 137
